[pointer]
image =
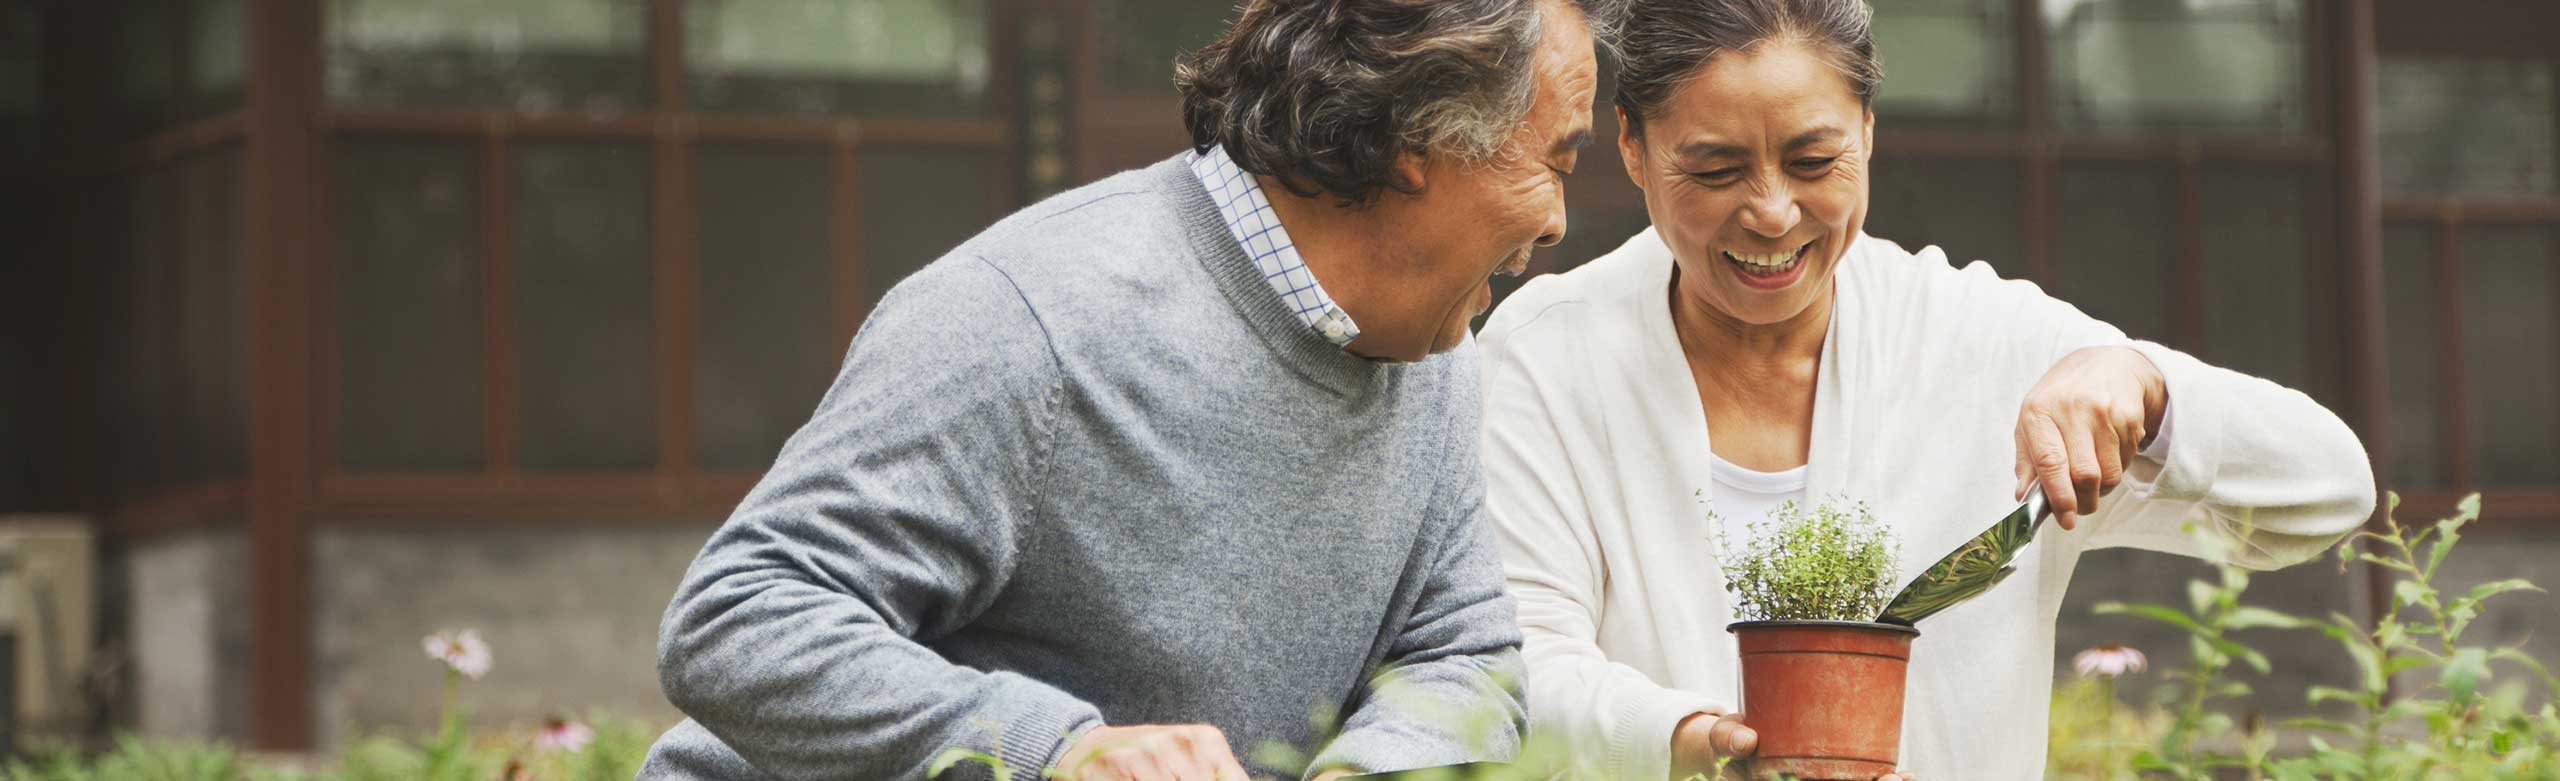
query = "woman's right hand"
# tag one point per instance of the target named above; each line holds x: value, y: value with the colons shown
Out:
x: 1704, y: 738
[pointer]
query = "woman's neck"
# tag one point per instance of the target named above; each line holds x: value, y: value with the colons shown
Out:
x: 1718, y: 339
x: 1756, y: 382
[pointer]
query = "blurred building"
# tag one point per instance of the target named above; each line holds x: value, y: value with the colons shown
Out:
x: 343, y: 321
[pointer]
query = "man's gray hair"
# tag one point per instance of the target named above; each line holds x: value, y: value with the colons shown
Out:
x: 1325, y: 95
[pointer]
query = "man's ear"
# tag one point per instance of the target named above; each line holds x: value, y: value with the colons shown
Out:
x: 1630, y: 150
x: 1408, y: 174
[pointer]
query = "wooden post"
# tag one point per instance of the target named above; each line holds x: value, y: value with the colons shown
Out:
x: 2360, y: 233
x: 282, y: 179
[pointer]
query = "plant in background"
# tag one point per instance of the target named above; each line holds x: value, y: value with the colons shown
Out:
x: 2213, y: 612
x: 2099, y: 668
x: 2441, y: 724
x: 1825, y: 564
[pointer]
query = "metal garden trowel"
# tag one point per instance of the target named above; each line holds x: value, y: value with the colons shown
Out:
x: 1974, y: 567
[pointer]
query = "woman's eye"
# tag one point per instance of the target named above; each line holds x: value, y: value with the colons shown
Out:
x: 1814, y: 164
x: 1718, y: 176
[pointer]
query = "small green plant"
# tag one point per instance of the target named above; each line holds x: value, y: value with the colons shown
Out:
x: 2422, y: 708
x: 1829, y: 563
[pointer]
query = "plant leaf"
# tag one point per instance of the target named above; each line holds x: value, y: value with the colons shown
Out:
x: 2463, y: 673
x: 2154, y: 612
x: 2257, y: 617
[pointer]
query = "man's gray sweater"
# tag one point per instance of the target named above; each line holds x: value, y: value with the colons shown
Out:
x: 1089, y: 469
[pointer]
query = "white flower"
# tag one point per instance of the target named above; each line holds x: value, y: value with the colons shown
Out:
x: 564, y: 735
x: 463, y: 652
x: 2110, y: 661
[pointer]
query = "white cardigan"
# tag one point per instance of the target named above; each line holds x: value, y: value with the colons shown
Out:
x: 1596, y: 452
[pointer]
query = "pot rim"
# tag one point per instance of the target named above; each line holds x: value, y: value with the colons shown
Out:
x: 1737, y: 626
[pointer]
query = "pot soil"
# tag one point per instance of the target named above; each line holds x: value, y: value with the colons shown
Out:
x: 1825, y: 696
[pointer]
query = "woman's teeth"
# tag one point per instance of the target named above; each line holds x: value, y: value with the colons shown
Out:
x: 1771, y: 264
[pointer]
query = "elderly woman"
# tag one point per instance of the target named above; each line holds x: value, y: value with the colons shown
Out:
x: 1755, y: 347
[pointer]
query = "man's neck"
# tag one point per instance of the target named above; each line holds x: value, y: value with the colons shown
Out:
x: 1342, y: 246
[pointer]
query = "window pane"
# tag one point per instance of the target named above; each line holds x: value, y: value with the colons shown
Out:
x: 2116, y: 254
x: 768, y: 345
x: 21, y: 93
x: 2410, y: 317
x: 216, y: 61
x: 1910, y: 206
x: 2511, y: 350
x: 583, y: 309
x: 145, y: 82
x: 2467, y: 127
x: 150, y: 376
x: 2217, y: 65
x: 873, y: 57
x: 213, y: 307
x: 1949, y: 59
x: 570, y: 55
x: 1140, y: 38
x: 2257, y: 295
x: 407, y: 231
x: 918, y: 203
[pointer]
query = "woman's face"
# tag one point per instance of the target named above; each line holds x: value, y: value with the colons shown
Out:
x: 1755, y: 174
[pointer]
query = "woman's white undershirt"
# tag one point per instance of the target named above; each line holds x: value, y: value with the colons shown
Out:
x: 1746, y: 496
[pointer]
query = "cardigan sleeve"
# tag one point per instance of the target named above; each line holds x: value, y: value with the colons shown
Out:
x: 1610, y: 717
x: 2275, y: 477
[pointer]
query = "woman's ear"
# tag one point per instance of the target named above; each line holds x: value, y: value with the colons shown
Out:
x: 1631, y: 150
x: 1867, y: 144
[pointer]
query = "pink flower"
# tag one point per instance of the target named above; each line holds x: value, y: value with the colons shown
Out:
x: 463, y: 652
x: 563, y: 735
x: 2109, y: 661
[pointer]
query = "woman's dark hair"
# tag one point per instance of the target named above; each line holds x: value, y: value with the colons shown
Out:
x: 1667, y: 43
x: 1324, y: 95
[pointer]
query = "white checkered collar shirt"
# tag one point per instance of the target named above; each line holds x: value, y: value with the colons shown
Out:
x: 1250, y: 219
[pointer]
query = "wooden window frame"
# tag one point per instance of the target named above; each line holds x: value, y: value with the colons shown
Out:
x: 2476, y: 30
x: 678, y: 488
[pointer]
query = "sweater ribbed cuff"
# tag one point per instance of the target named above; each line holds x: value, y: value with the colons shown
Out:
x: 1037, y: 733
x: 1641, y: 747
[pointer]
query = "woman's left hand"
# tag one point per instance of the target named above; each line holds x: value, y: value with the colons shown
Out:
x: 2083, y: 422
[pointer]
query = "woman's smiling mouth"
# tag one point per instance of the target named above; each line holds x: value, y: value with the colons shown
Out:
x: 1769, y: 271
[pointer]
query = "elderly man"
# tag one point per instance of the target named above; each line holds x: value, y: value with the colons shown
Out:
x: 1135, y: 481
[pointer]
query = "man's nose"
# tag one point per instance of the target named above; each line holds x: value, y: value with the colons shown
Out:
x: 1553, y: 232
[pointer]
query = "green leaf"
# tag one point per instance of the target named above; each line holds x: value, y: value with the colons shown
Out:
x: 2463, y: 673
x: 950, y: 758
x: 2199, y: 596
x: 2323, y: 725
x: 2408, y: 592
x: 2320, y: 694
x: 2258, y: 617
x: 2154, y: 612
x: 2494, y: 588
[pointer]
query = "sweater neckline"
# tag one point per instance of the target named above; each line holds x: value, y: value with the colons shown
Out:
x: 1299, y: 347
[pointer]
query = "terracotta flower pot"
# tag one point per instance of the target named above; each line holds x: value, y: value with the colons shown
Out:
x: 1825, y: 696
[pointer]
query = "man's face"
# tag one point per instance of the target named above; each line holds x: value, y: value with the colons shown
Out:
x: 1476, y: 219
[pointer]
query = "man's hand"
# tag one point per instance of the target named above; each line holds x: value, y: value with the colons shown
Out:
x: 1152, y: 752
x: 2083, y: 422
x: 1703, y: 738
